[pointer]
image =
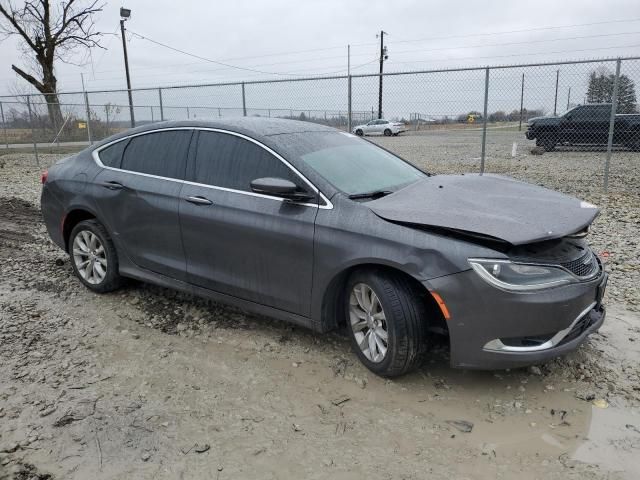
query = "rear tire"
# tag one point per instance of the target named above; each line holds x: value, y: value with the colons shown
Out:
x: 93, y: 257
x: 387, y: 133
x: 379, y: 305
x: 359, y: 132
x: 633, y: 145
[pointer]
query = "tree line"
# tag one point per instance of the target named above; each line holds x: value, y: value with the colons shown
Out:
x: 600, y: 90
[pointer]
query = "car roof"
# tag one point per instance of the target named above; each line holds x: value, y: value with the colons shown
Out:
x: 259, y: 128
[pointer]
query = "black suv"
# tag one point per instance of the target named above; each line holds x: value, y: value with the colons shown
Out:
x: 585, y: 124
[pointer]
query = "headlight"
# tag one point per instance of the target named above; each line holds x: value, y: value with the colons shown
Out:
x: 519, y: 277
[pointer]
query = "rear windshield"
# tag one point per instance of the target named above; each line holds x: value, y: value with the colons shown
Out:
x: 351, y: 164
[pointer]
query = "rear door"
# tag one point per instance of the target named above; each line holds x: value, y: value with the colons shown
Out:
x: 250, y: 246
x: 141, y: 183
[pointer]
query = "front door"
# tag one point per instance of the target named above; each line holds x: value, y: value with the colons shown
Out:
x: 140, y: 186
x: 239, y: 243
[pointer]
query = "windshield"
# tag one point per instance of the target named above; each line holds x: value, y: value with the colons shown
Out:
x: 354, y: 165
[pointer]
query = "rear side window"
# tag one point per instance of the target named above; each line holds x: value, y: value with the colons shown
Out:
x: 603, y: 112
x: 224, y: 160
x: 112, y: 155
x: 161, y: 153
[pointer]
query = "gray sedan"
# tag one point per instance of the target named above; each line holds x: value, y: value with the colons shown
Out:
x: 318, y: 227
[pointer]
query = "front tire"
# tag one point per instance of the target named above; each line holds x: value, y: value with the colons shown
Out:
x: 387, y: 133
x: 93, y: 257
x: 548, y: 143
x: 359, y: 132
x: 386, y: 321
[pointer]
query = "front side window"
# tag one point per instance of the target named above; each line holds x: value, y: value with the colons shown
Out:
x: 229, y: 161
x: 163, y: 154
x: 351, y: 164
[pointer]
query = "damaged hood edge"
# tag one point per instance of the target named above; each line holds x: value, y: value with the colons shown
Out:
x: 487, y: 207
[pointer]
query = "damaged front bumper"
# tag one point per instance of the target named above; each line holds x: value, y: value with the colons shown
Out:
x: 494, y: 329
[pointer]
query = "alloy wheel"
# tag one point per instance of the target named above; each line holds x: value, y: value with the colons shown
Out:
x: 89, y: 257
x: 368, y: 322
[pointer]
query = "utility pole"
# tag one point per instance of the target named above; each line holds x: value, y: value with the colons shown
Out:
x: 125, y: 14
x: 383, y: 57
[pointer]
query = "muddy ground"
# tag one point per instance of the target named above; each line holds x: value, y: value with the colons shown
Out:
x: 149, y: 383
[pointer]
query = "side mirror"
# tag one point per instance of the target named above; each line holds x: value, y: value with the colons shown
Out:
x: 279, y: 187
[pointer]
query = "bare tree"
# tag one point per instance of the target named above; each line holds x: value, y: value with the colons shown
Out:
x: 49, y: 33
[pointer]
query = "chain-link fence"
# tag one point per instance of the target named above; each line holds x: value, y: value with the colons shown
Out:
x: 552, y: 123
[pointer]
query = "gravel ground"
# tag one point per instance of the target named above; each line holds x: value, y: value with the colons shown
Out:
x: 150, y: 383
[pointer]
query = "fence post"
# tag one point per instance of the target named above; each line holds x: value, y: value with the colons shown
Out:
x: 161, y: 106
x: 33, y: 135
x: 106, y: 111
x: 151, y: 107
x: 244, y: 102
x: 349, y: 107
x: 555, y: 101
x: 4, y: 126
x: 521, y: 103
x: 484, y: 120
x: 86, y: 104
x: 612, y: 120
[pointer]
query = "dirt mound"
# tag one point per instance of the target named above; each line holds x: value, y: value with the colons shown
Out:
x: 17, y: 218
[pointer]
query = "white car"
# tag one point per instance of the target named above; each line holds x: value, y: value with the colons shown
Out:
x: 380, y: 127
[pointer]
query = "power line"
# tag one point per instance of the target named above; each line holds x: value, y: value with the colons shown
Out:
x: 237, y: 67
x: 296, y: 52
x: 527, y: 42
x: 291, y: 73
x: 518, y: 54
x: 524, y: 30
x: 308, y: 74
x: 225, y: 68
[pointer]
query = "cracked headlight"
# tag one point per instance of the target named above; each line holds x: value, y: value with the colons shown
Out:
x: 519, y: 277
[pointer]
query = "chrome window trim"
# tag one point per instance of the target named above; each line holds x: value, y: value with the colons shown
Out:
x: 327, y: 206
x: 497, y: 345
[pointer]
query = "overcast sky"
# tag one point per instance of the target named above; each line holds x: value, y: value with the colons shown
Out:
x: 276, y: 36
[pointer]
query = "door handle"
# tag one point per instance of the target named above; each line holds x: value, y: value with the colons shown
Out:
x: 198, y: 200
x: 112, y: 185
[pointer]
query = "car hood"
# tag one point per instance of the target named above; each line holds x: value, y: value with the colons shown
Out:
x: 488, y: 205
x: 548, y: 120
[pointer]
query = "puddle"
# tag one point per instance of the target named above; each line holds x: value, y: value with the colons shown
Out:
x: 613, y: 441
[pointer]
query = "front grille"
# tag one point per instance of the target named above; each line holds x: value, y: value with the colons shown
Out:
x: 584, y: 266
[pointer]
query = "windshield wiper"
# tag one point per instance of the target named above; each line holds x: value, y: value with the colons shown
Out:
x: 374, y: 194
